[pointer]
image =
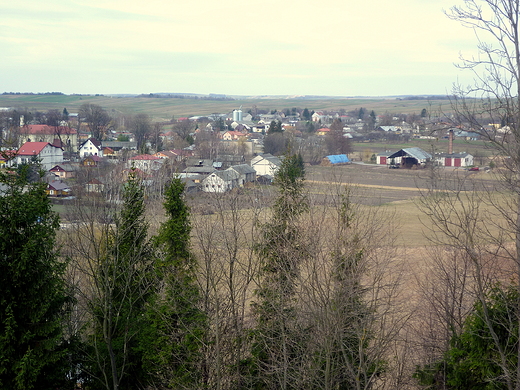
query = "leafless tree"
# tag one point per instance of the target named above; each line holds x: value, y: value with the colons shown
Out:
x: 97, y: 119
x: 224, y: 232
x: 350, y: 296
x: 140, y: 125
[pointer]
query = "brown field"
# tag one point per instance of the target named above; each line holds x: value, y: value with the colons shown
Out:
x: 397, y: 190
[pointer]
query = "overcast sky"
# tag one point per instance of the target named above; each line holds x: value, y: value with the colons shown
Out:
x: 254, y: 47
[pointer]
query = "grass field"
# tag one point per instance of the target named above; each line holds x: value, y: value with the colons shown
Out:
x: 166, y: 108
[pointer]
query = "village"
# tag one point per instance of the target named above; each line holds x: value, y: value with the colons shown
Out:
x: 226, y: 151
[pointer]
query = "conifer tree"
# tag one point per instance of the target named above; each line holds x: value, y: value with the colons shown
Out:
x: 124, y: 283
x: 32, y: 289
x: 276, y: 338
x: 177, y: 324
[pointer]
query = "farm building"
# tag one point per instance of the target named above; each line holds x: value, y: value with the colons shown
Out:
x: 409, y: 157
x: 454, y: 159
x: 335, y: 159
x: 381, y: 158
x: 246, y: 173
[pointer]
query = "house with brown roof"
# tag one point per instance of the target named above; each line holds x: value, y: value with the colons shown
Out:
x: 91, y: 161
x: 94, y: 186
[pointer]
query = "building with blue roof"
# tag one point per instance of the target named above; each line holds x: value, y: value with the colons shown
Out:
x: 336, y: 159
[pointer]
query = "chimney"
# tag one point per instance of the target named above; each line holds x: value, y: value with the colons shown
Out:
x: 450, y: 142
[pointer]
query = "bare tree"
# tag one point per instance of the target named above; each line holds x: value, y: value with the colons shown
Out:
x: 141, y: 126
x: 225, y: 230
x: 97, y: 119
x: 350, y: 295
x: 494, y: 98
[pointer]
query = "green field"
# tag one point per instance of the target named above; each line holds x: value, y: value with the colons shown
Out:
x: 166, y: 108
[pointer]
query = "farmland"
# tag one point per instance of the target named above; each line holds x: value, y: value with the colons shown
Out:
x: 166, y: 108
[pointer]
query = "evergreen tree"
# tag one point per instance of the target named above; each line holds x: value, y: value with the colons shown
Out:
x: 275, y: 127
x: 306, y: 115
x: 473, y: 360
x: 124, y: 282
x: 344, y: 358
x: 32, y: 289
x: 177, y: 331
x: 276, y: 338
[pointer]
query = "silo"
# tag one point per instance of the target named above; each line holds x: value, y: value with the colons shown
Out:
x: 237, y: 115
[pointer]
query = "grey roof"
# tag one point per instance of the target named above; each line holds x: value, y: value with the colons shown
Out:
x: 69, y: 167
x: 58, y: 185
x: 389, y: 128
x: 243, y: 169
x: 204, y: 169
x: 198, y: 162
x: 272, y: 159
x: 119, y: 144
x: 417, y: 153
x: 226, y: 175
x: 454, y: 155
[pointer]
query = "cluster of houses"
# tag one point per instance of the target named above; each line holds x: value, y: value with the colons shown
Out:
x: 47, y: 145
x: 205, y: 175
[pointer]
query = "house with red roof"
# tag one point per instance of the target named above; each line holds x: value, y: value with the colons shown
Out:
x: 323, y: 131
x: 61, y: 136
x: 47, y: 154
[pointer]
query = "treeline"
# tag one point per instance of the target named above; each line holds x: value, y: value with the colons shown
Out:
x: 32, y: 93
x: 184, y: 96
x: 290, y: 297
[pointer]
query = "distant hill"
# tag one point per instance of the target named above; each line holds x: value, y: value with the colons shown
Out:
x: 164, y: 106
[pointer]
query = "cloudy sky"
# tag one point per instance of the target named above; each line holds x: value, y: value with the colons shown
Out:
x: 254, y: 47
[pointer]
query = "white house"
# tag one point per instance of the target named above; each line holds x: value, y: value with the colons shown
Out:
x: 266, y: 164
x: 221, y: 181
x: 48, y: 155
x: 91, y: 147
